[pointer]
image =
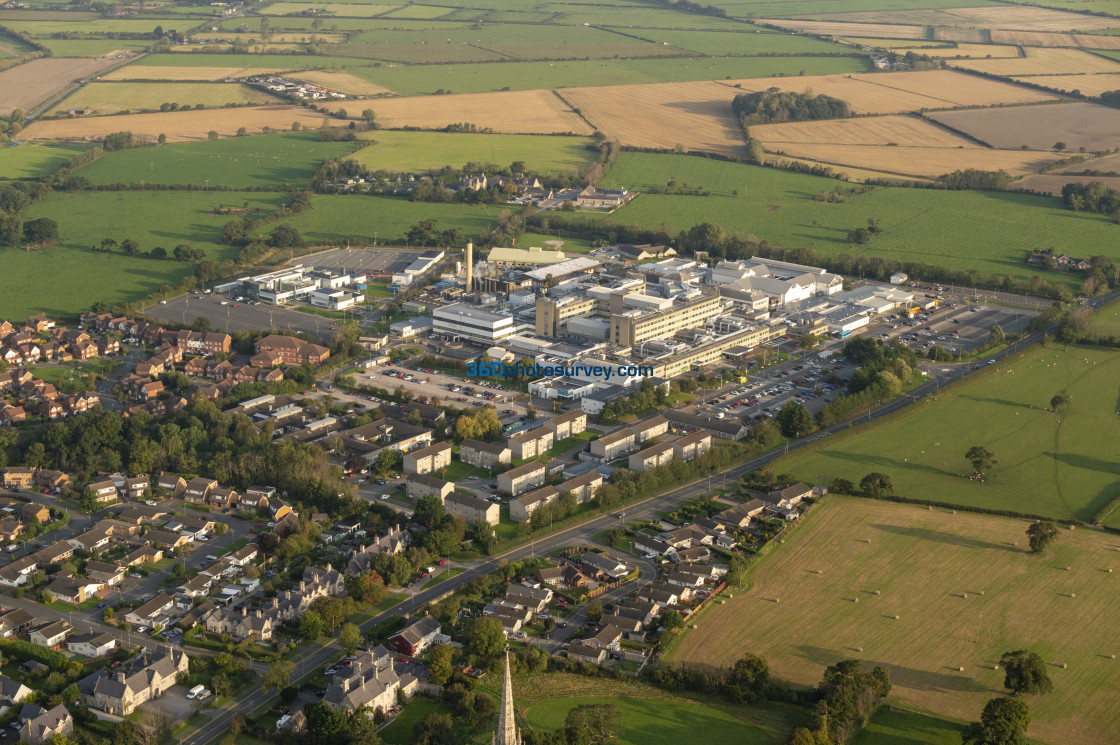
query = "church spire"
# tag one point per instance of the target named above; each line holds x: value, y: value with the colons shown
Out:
x: 507, y: 733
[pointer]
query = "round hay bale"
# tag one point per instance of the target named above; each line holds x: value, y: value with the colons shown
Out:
x: 995, y: 667
x: 855, y: 600
x: 877, y: 592
x: 961, y: 669
x: 929, y: 507
x: 859, y: 649
x: 777, y: 600
x: 1072, y: 527
x: 953, y: 512
x: 692, y: 626
x: 1110, y: 571
x: 964, y: 595
x: 896, y: 617
x: 981, y: 593
x: 1112, y: 657
x: 1073, y: 594
x: 1069, y: 569
x: 1064, y: 665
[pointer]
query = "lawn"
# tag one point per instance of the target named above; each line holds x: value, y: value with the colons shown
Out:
x: 335, y: 218
x: 379, y: 290
x: 35, y: 160
x: 238, y: 162
x: 118, y: 97
x: 965, y: 590
x: 648, y: 716
x: 454, y: 571
x: 891, y: 726
x: 399, y: 731
x: 421, y: 151
x: 79, y: 277
x: 1059, y: 465
x: 986, y: 231
x: 459, y: 471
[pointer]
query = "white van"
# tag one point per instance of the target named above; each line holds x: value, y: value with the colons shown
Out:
x: 194, y: 692
x: 204, y: 695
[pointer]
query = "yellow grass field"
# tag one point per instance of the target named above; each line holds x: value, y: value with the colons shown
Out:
x: 875, y: 130
x: 663, y: 115
x: 112, y: 98
x: 903, y: 91
x: 1042, y: 61
x: 179, y: 126
x: 968, y: 35
x: 343, y: 82
x: 1052, y: 183
x: 1098, y: 41
x: 965, y: 50
x: 867, y: 30
x: 1108, y: 163
x: 919, y: 161
x: 1089, y: 85
x: 516, y: 112
x: 984, y: 17
x: 931, y: 568
x: 34, y: 83
x: 175, y: 73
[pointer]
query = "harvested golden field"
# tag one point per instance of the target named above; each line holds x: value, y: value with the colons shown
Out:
x: 1052, y: 183
x: 874, y: 130
x: 34, y: 83
x: 1107, y: 164
x: 985, y: 17
x: 965, y: 50
x: 696, y: 115
x: 868, y: 30
x: 903, y: 91
x: 1042, y: 61
x: 182, y: 74
x: 1096, y: 128
x: 847, y: 173
x: 113, y: 98
x: 968, y: 35
x: 343, y: 82
x: 890, y: 44
x: 517, y: 112
x: 919, y: 161
x: 940, y: 597
x: 1089, y: 85
x: 1098, y: 41
x: 179, y: 126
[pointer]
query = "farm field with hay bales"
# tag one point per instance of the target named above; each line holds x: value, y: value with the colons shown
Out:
x: 936, y: 598
x: 404, y: 151
x: 518, y: 112
x: 929, y: 162
x: 237, y: 162
x: 1042, y: 61
x: 1051, y: 464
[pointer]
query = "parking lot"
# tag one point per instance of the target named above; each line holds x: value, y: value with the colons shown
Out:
x: 383, y: 261
x: 231, y: 315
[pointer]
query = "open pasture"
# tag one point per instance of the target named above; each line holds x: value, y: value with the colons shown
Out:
x: 415, y: 53
x: 521, y: 112
x: 354, y: 10
x: 291, y: 37
x: 67, y: 24
x: 845, y: 574
x: 746, y: 41
x: 906, y: 131
x: 93, y: 47
x: 336, y: 218
x: 835, y: 28
x: 1043, y: 61
x: 238, y: 61
x: 419, y: 151
x: 34, y: 83
x: 965, y: 50
x: 114, y: 98
x: 697, y: 116
x: 1006, y: 410
x: 986, y: 231
x: 79, y: 277
x: 237, y: 162
x: 929, y: 162
x: 179, y: 126
x: 892, y: 725
x: 31, y: 160
x: 1088, y: 85
x: 13, y: 46
x: 903, y: 91
x: 1087, y: 125
x: 185, y: 74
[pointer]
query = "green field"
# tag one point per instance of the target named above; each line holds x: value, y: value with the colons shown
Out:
x: 238, y: 162
x: 333, y: 219
x: 965, y: 589
x: 472, y: 78
x: 35, y: 160
x: 891, y: 726
x: 113, y: 98
x: 1060, y: 465
x: 420, y: 151
x: 740, y: 42
x: 282, y: 61
x: 985, y: 231
x: 90, y: 47
x: 67, y: 279
x: 13, y: 46
x: 781, y: 9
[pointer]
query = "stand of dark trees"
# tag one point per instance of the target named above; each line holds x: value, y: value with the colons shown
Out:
x: 775, y: 105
